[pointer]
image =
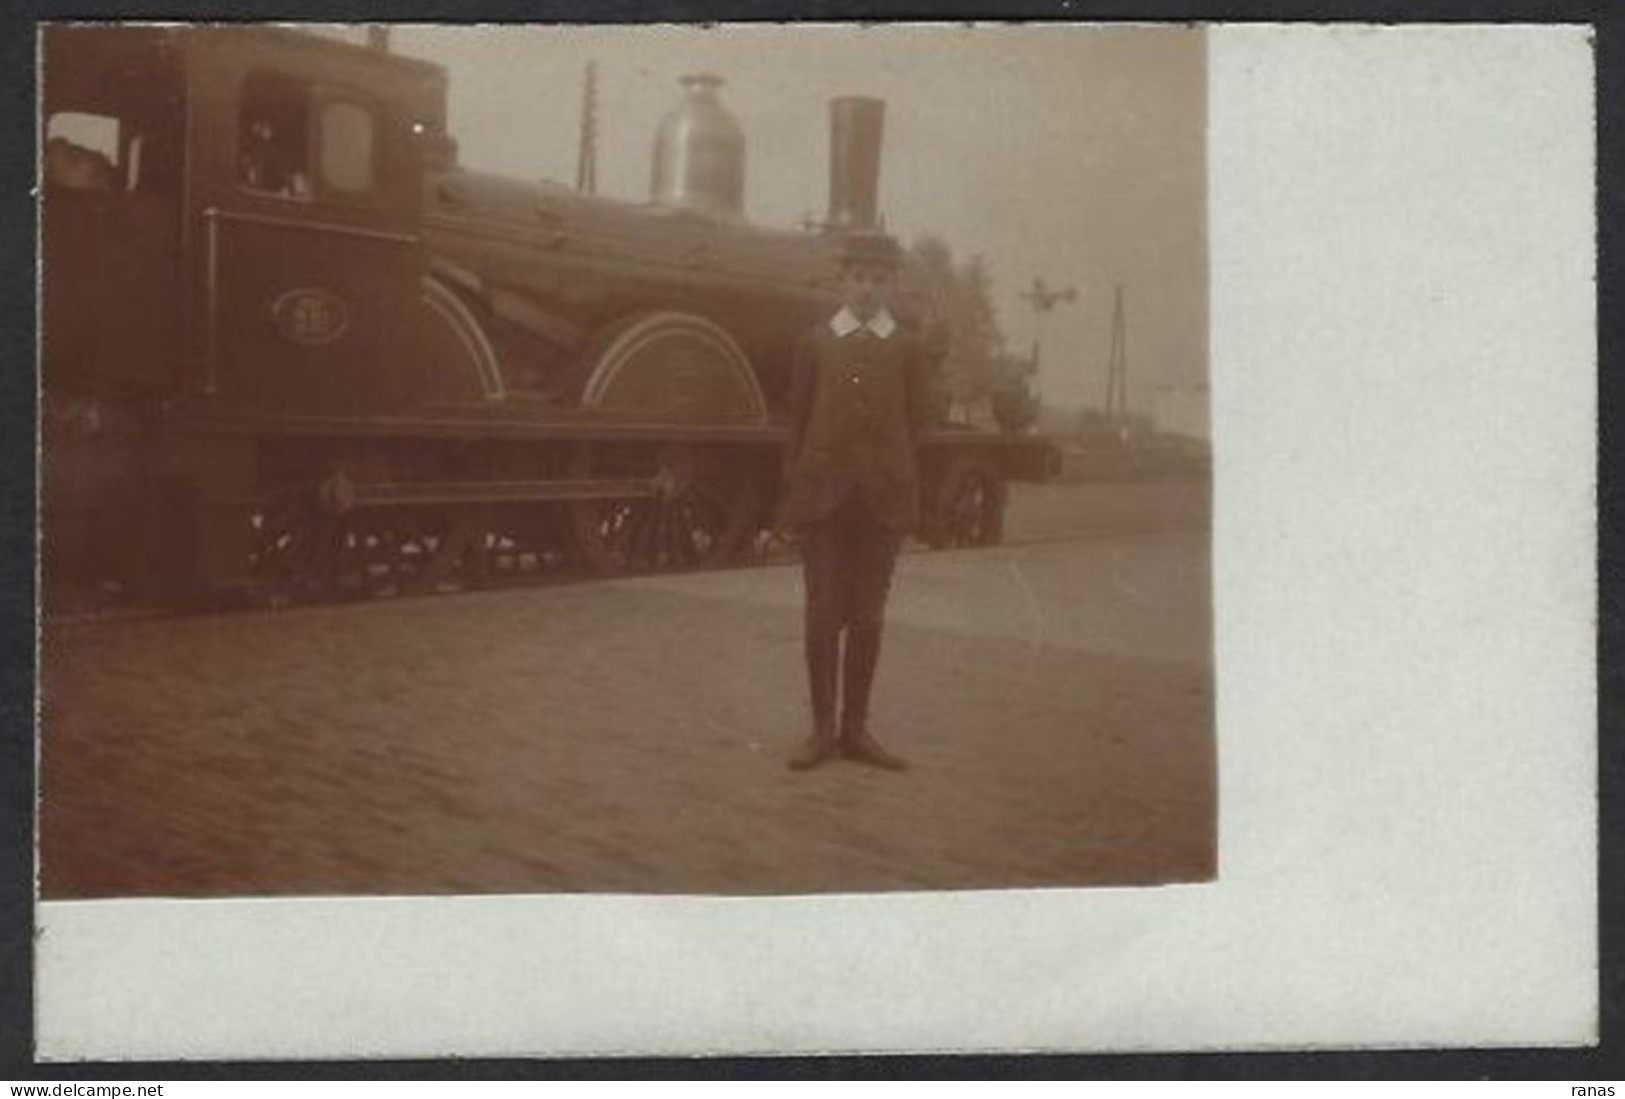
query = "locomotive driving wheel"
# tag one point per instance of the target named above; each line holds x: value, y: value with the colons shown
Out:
x: 970, y: 505
x: 301, y: 552
x: 703, y: 506
x: 311, y: 544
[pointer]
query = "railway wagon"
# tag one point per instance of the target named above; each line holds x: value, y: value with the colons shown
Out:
x: 291, y: 347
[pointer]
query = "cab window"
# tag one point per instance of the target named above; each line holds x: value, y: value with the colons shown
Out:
x: 273, y: 136
x: 296, y: 143
x: 346, y: 134
x: 86, y: 151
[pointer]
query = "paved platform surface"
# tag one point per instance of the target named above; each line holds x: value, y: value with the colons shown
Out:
x: 1054, y: 696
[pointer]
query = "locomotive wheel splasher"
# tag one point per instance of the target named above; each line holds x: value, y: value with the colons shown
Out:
x: 707, y: 499
x: 675, y: 367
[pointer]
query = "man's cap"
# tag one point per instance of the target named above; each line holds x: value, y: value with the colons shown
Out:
x: 871, y: 249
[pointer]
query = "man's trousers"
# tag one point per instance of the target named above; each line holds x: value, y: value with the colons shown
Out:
x: 848, y: 559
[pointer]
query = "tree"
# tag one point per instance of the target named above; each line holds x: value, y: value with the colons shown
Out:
x: 960, y: 297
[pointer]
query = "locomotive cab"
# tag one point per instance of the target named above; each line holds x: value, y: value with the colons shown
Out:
x: 229, y: 225
x: 111, y: 192
x: 232, y: 215
x: 303, y: 210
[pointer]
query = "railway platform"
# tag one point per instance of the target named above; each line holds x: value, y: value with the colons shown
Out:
x: 1054, y: 696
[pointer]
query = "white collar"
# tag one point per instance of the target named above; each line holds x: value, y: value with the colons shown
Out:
x: 846, y: 322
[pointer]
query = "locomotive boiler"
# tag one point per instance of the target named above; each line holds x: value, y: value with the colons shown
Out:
x: 289, y: 346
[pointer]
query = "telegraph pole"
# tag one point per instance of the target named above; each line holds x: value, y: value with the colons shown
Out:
x: 1117, y: 365
x: 587, y: 158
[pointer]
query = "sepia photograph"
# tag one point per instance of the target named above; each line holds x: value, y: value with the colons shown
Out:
x: 813, y: 538
x: 624, y: 459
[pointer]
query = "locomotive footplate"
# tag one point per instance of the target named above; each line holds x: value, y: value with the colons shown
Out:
x: 507, y: 492
x: 337, y: 495
x: 473, y: 422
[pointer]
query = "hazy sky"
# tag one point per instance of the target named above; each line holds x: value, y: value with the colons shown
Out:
x: 1074, y: 153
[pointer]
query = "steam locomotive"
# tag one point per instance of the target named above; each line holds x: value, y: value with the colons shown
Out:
x: 289, y: 346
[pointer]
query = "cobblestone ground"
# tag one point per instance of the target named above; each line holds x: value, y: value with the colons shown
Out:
x: 1054, y: 696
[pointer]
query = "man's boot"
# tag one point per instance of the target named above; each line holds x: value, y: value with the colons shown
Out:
x: 858, y: 675
x: 819, y: 747
x: 861, y: 746
x: 822, y: 666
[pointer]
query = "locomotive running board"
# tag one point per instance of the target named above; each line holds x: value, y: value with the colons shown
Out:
x: 499, y: 492
x: 499, y: 421
x: 488, y: 424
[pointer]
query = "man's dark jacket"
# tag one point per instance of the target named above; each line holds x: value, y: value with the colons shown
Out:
x: 857, y: 405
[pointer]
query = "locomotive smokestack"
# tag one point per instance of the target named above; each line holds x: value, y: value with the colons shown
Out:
x: 855, y: 126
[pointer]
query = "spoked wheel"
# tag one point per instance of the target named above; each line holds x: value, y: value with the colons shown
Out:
x: 511, y: 544
x: 301, y: 552
x: 702, y: 511
x: 970, y: 505
x: 418, y: 550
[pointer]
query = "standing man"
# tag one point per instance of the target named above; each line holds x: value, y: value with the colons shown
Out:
x: 857, y: 399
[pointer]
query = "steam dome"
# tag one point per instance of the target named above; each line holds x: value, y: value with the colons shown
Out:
x: 699, y: 154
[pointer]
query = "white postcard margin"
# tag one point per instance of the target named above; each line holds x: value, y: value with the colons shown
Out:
x: 1403, y: 349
